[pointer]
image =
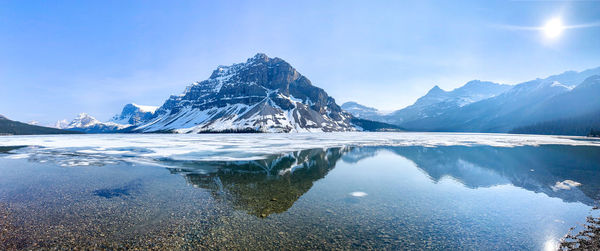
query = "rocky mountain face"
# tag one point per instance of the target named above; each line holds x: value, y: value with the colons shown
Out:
x: 134, y: 114
x: 262, y: 95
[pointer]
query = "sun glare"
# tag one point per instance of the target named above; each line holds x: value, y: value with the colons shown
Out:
x: 553, y: 28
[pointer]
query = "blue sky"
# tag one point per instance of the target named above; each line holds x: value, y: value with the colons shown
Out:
x: 60, y: 58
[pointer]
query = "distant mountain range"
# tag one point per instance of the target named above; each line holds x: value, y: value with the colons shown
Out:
x: 88, y: 124
x: 260, y: 95
x: 529, y: 107
x: 10, y: 127
x: 267, y: 94
x: 131, y: 115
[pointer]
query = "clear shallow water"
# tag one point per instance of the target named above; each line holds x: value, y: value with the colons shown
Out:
x: 453, y: 195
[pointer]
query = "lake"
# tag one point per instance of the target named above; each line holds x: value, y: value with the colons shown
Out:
x: 441, y: 191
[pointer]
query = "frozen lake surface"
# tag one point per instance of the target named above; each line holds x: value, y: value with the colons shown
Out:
x: 295, y: 191
x: 200, y: 147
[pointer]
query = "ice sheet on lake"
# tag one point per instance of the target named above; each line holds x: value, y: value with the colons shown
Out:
x: 203, y: 147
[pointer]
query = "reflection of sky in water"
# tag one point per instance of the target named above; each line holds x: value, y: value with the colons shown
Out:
x: 448, y: 197
x: 501, y: 213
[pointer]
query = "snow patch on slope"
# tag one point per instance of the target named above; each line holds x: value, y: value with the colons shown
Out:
x: 146, y: 108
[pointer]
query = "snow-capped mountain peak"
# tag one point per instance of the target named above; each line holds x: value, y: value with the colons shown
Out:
x: 134, y: 114
x: 83, y: 120
x: 261, y: 94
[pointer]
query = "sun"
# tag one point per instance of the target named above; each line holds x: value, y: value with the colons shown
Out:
x: 553, y: 28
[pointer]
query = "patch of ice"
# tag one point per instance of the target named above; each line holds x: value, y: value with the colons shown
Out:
x: 358, y: 194
x: 565, y: 185
x: 203, y: 147
x: 17, y: 156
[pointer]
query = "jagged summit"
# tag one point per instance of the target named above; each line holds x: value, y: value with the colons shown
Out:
x: 226, y: 70
x: 259, y: 57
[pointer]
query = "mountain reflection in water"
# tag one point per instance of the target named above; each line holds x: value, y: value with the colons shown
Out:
x: 273, y: 185
x: 262, y: 187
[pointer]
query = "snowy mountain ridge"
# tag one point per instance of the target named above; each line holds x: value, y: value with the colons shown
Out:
x: 556, y: 97
x: 438, y: 101
x: 480, y: 106
x: 435, y: 102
